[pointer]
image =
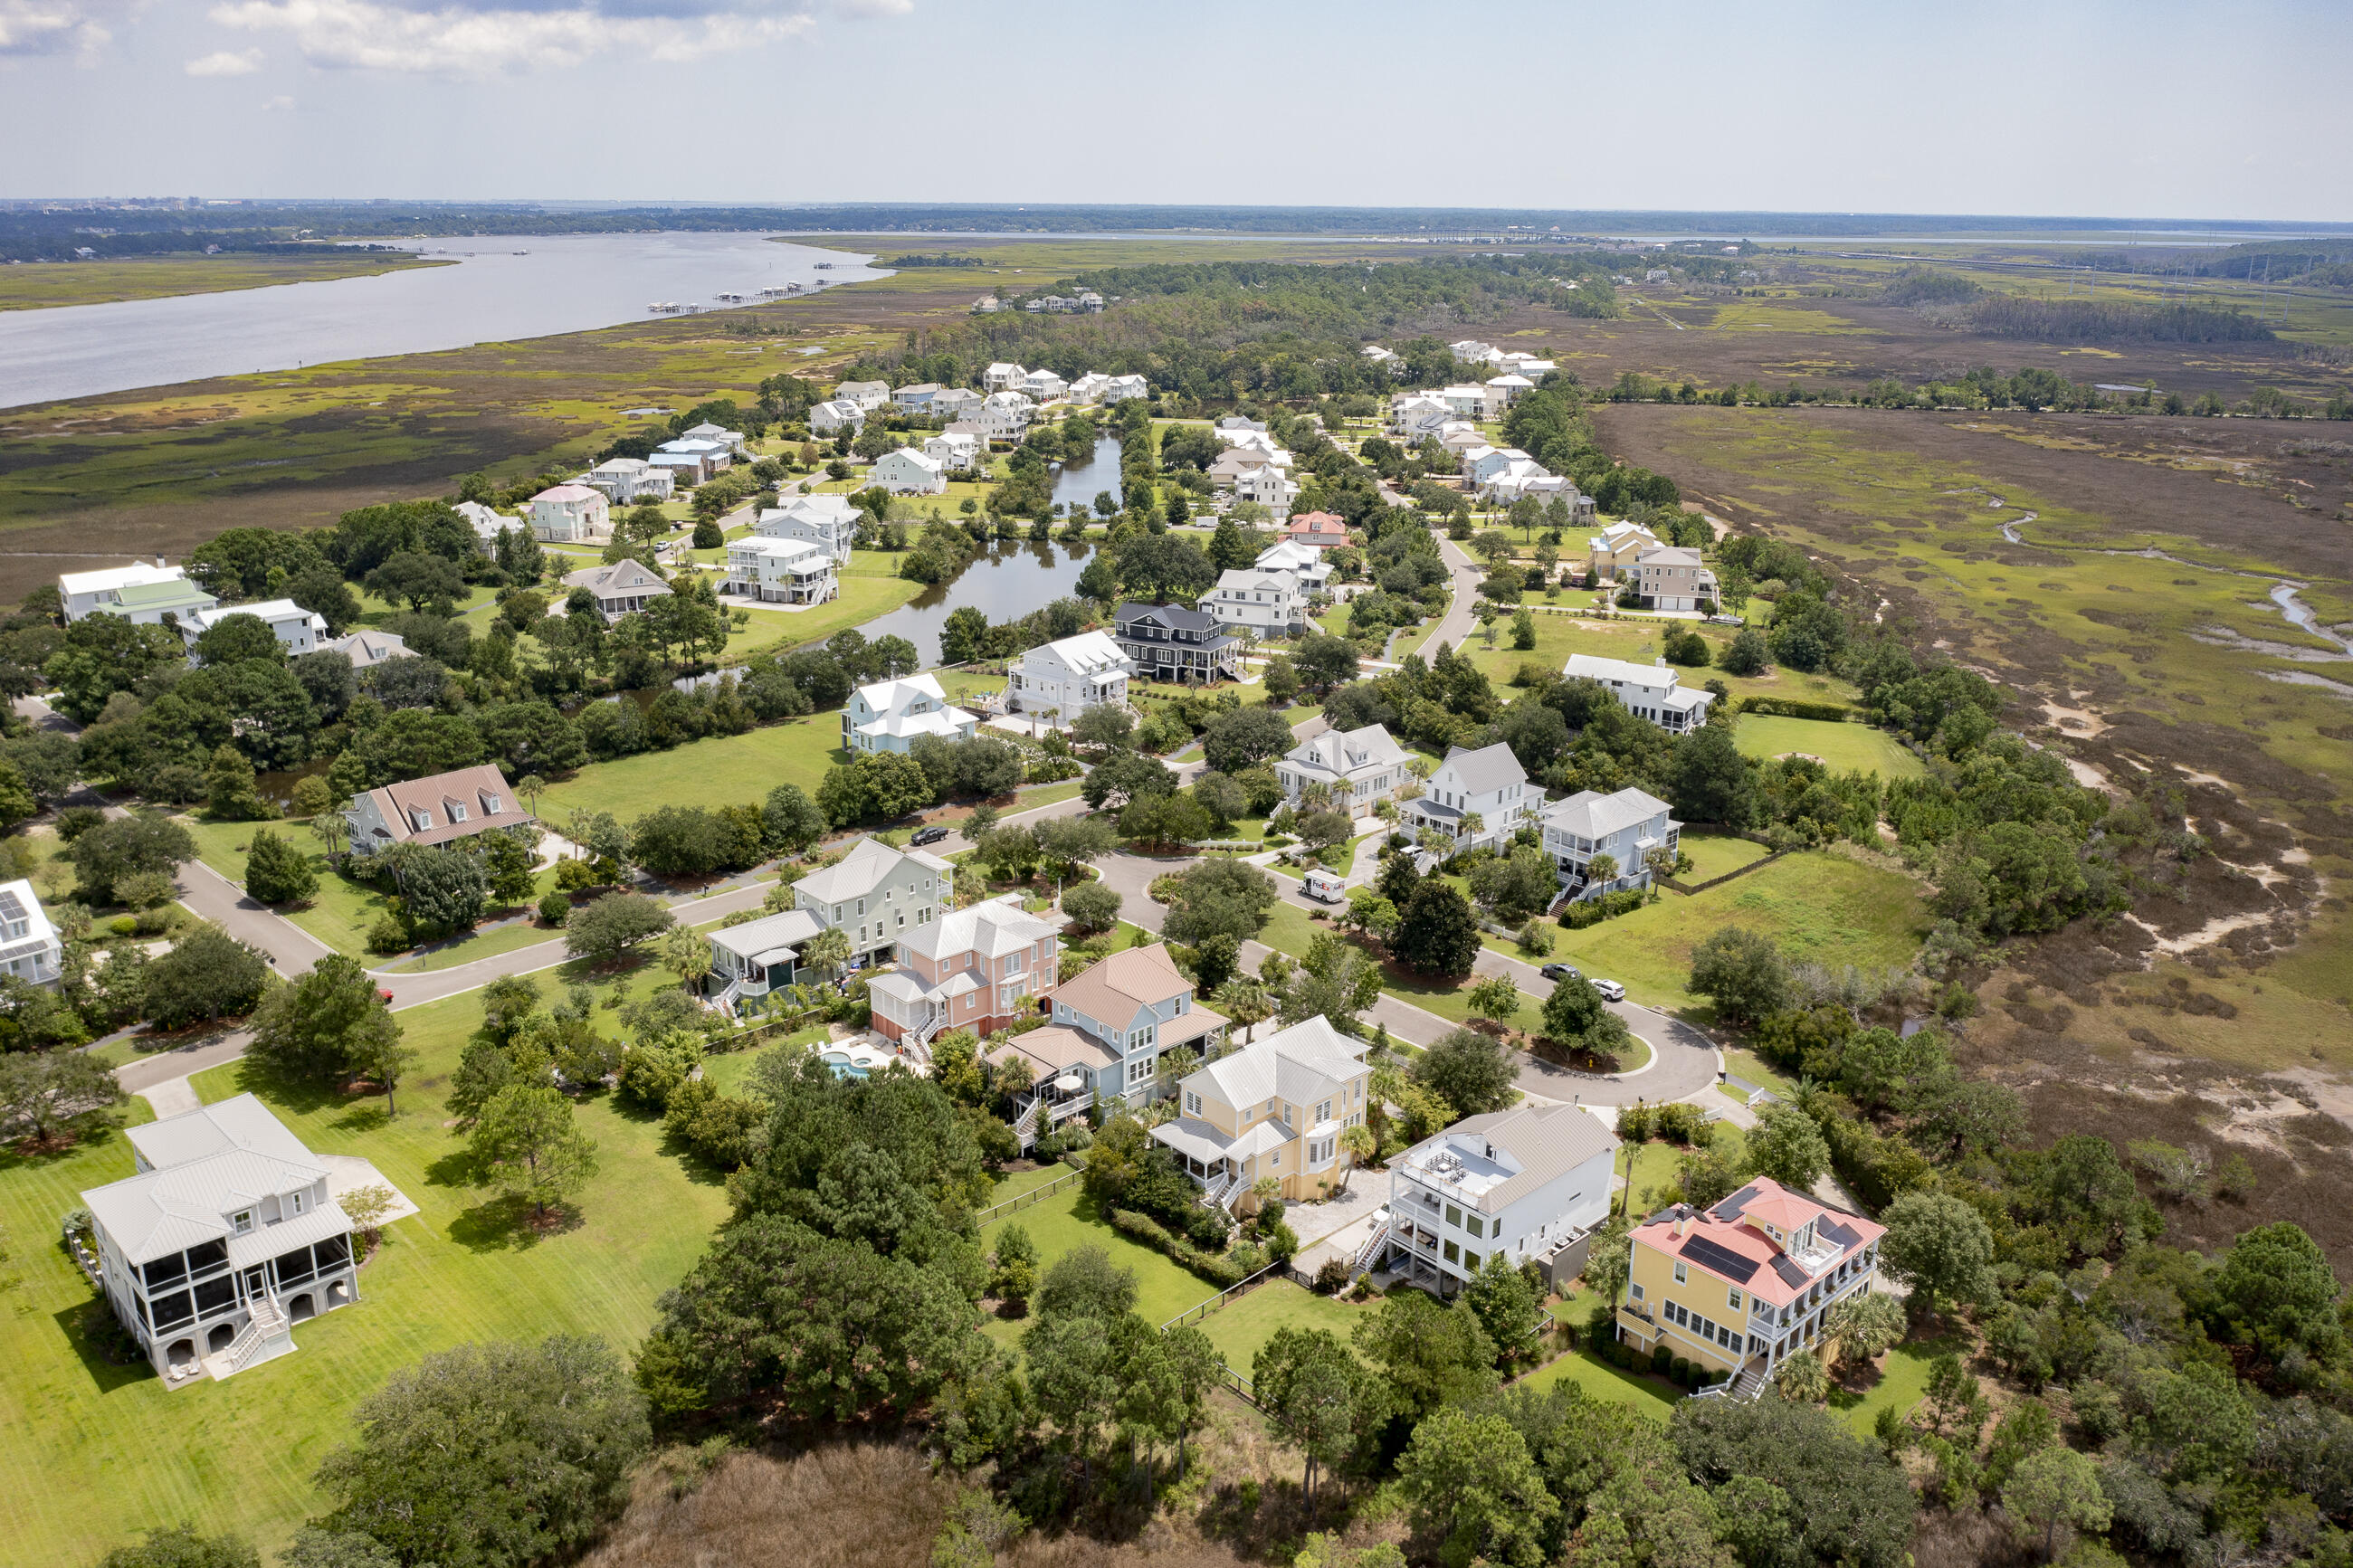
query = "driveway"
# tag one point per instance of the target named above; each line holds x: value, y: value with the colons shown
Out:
x: 1456, y: 625
x: 292, y: 950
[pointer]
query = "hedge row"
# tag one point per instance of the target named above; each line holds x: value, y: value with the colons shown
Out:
x: 1796, y: 708
x: 1662, y: 1362
x: 1219, y: 1271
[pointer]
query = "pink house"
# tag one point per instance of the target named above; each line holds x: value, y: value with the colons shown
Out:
x: 1322, y: 529
x: 981, y: 969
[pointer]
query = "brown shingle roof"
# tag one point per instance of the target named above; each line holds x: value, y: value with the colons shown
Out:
x: 475, y: 789
x: 1114, y: 990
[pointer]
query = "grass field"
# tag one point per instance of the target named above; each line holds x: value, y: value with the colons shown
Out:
x: 1068, y: 1220
x: 1839, y: 747
x: 870, y: 587
x: 1820, y: 907
x: 1716, y: 855
x: 1903, y: 1383
x: 39, y: 285
x: 723, y: 770
x: 1240, y: 1329
x: 89, y: 1454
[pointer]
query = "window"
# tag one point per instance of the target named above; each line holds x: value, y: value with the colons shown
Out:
x: 242, y: 1221
x: 1324, y: 1111
x: 457, y: 812
x: 1138, y: 1070
x: 1732, y: 1299
x: 1473, y: 1226
x: 1453, y: 1214
x: 1681, y: 1277
x: 493, y: 804
x: 1638, y: 1292
x: 421, y: 820
x: 1453, y: 1255
x: 298, y: 1203
x: 1192, y: 1103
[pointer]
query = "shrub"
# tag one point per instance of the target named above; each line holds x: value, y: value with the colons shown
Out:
x: 554, y: 907
x: 1331, y: 1278
x: 388, y: 934
x: 1219, y: 1271
x: 1796, y: 708
x: 76, y: 820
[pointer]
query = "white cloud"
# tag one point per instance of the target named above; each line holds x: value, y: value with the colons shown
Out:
x: 227, y: 62
x: 462, y: 40
x: 57, y: 26
x: 282, y: 104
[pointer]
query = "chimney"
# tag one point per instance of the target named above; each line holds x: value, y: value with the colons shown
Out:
x: 159, y: 562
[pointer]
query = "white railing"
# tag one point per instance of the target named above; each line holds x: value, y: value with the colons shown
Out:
x: 1214, y: 1195
x: 1373, y: 1246
x: 1025, y: 1129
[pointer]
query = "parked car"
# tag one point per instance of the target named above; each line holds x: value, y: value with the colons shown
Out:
x: 1559, y: 972
x: 1611, y: 989
x: 931, y: 835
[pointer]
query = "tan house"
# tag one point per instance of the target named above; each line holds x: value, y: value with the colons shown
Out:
x: 1275, y: 1109
x: 1614, y: 550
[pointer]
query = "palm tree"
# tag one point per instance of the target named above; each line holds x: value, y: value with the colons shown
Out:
x: 688, y: 953
x: 529, y: 787
x: 827, y: 952
x: 1359, y: 1144
x: 330, y: 828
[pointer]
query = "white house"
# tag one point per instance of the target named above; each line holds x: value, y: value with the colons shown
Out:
x: 874, y: 893
x: 570, y: 514
x: 954, y: 450
x: 976, y: 432
x: 1617, y: 547
x: 1069, y: 677
x: 706, y: 431
x: 916, y: 397
x: 1307, y: 562
x: 1120, y: 388
x: 835, y: 415
x: 1626, y: 826
x: 1414, y: 415
x: 827, y: 522
x: 1088, y: 388
x: 298, y: 630
x: 1649, y: 691
x: 30, y: 949
x: 1487, y: 783
x: 1518, y: 362
x: 487, y: 524
x: 1672, y: 577
x: 1471, y: 350
x: 366, y: 649
x: 889, y: 715
x: 1043, y: 386
x: 1002, y: 377
x: 1511, y: 388
x: 1270, y: 487
x: 780, y: 571
x: 226, y: 1236
x: 139, y: 592
x: 711, y: 458
x: 868, y: 395
x: 1514, y: 1186
x: 626, y: 480
x: 1376, y: 354
x: 1004, y: 418
x: 1482, y: 463
x: 1459, y: 436
x: 1470, y: 401
x: 954, y: 403
x: 907, y: 472
x: 1534, y: 481
x: 759, y: 956
x: 1359, y: 767
x: 1271, y: 603
x: 621, y: 589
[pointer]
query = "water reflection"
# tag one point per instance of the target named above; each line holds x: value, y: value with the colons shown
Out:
x: 1005, y: 581
x: 1078, y: 484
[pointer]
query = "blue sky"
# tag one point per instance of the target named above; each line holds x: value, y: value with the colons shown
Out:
x: 2145, y: 110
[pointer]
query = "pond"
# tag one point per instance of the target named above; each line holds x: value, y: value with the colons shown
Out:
x: 1005, y: 581
x: 1078, y: 484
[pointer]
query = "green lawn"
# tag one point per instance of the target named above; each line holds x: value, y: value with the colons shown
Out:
x: 727, y: 1071
x: 1290, y: 929
x: 1902, y: 1383
x: 1599, y: 1380
x: 724, y: 770
x: 1819, y: 905
x: 90, y: 1454
x: 1240, y: 1329
x: 870, y: 587
x: 1841, y: 747
x: 1718, y: 854
x: 1013, y: 1183
x: 1750, y: 1066
x: 1068, y: 1220
x: 341, y: 912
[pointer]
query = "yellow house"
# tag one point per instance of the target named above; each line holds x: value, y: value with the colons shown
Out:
x: 1739, y: 1286
x: 1274, y: 1109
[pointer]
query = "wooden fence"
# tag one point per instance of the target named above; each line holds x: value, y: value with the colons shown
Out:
x: 1232, y: 1293
x: 1035, y: 1194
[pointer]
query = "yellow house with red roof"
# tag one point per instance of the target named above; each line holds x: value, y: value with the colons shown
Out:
x: 1739, y: 1286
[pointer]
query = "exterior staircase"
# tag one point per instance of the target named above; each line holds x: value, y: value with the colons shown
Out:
x: 726, y: 1000
x: 1025, y: 1129
x: 1746, y: 1387
x: 266, y: 1322
x: 1372, y: 1249
x: 1214, y: 1195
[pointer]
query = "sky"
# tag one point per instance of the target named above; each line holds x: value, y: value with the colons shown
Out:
x: 2150, y: 110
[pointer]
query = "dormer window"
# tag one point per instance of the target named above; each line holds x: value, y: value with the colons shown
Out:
x: 241, y: 1221
x: 457, y: 811
x: 420, y: 819
x: 491, y: 804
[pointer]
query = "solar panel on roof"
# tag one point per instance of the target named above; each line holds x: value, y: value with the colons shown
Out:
x: 1792, y: 1275
x: 1720, y: 1258
x: 11, y: 907
x: 1730, y: 1207
x: 1836, y: 1232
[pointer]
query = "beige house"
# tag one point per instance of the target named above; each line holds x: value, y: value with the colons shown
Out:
x: 1616, y: 548
x: 1274, y: 1109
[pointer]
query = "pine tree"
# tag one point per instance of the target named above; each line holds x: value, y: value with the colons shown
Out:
x: 276, y: 872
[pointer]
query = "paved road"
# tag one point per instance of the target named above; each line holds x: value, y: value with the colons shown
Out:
x: 292, y: 951
x: 1454, y: 627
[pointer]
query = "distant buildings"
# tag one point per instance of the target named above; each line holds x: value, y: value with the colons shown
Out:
x: 832, y: 418
x: 1674, y: 578
x: 868, y: 396
x: 625, y: 481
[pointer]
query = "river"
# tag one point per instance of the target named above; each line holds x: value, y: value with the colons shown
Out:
x: 500, y: 290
